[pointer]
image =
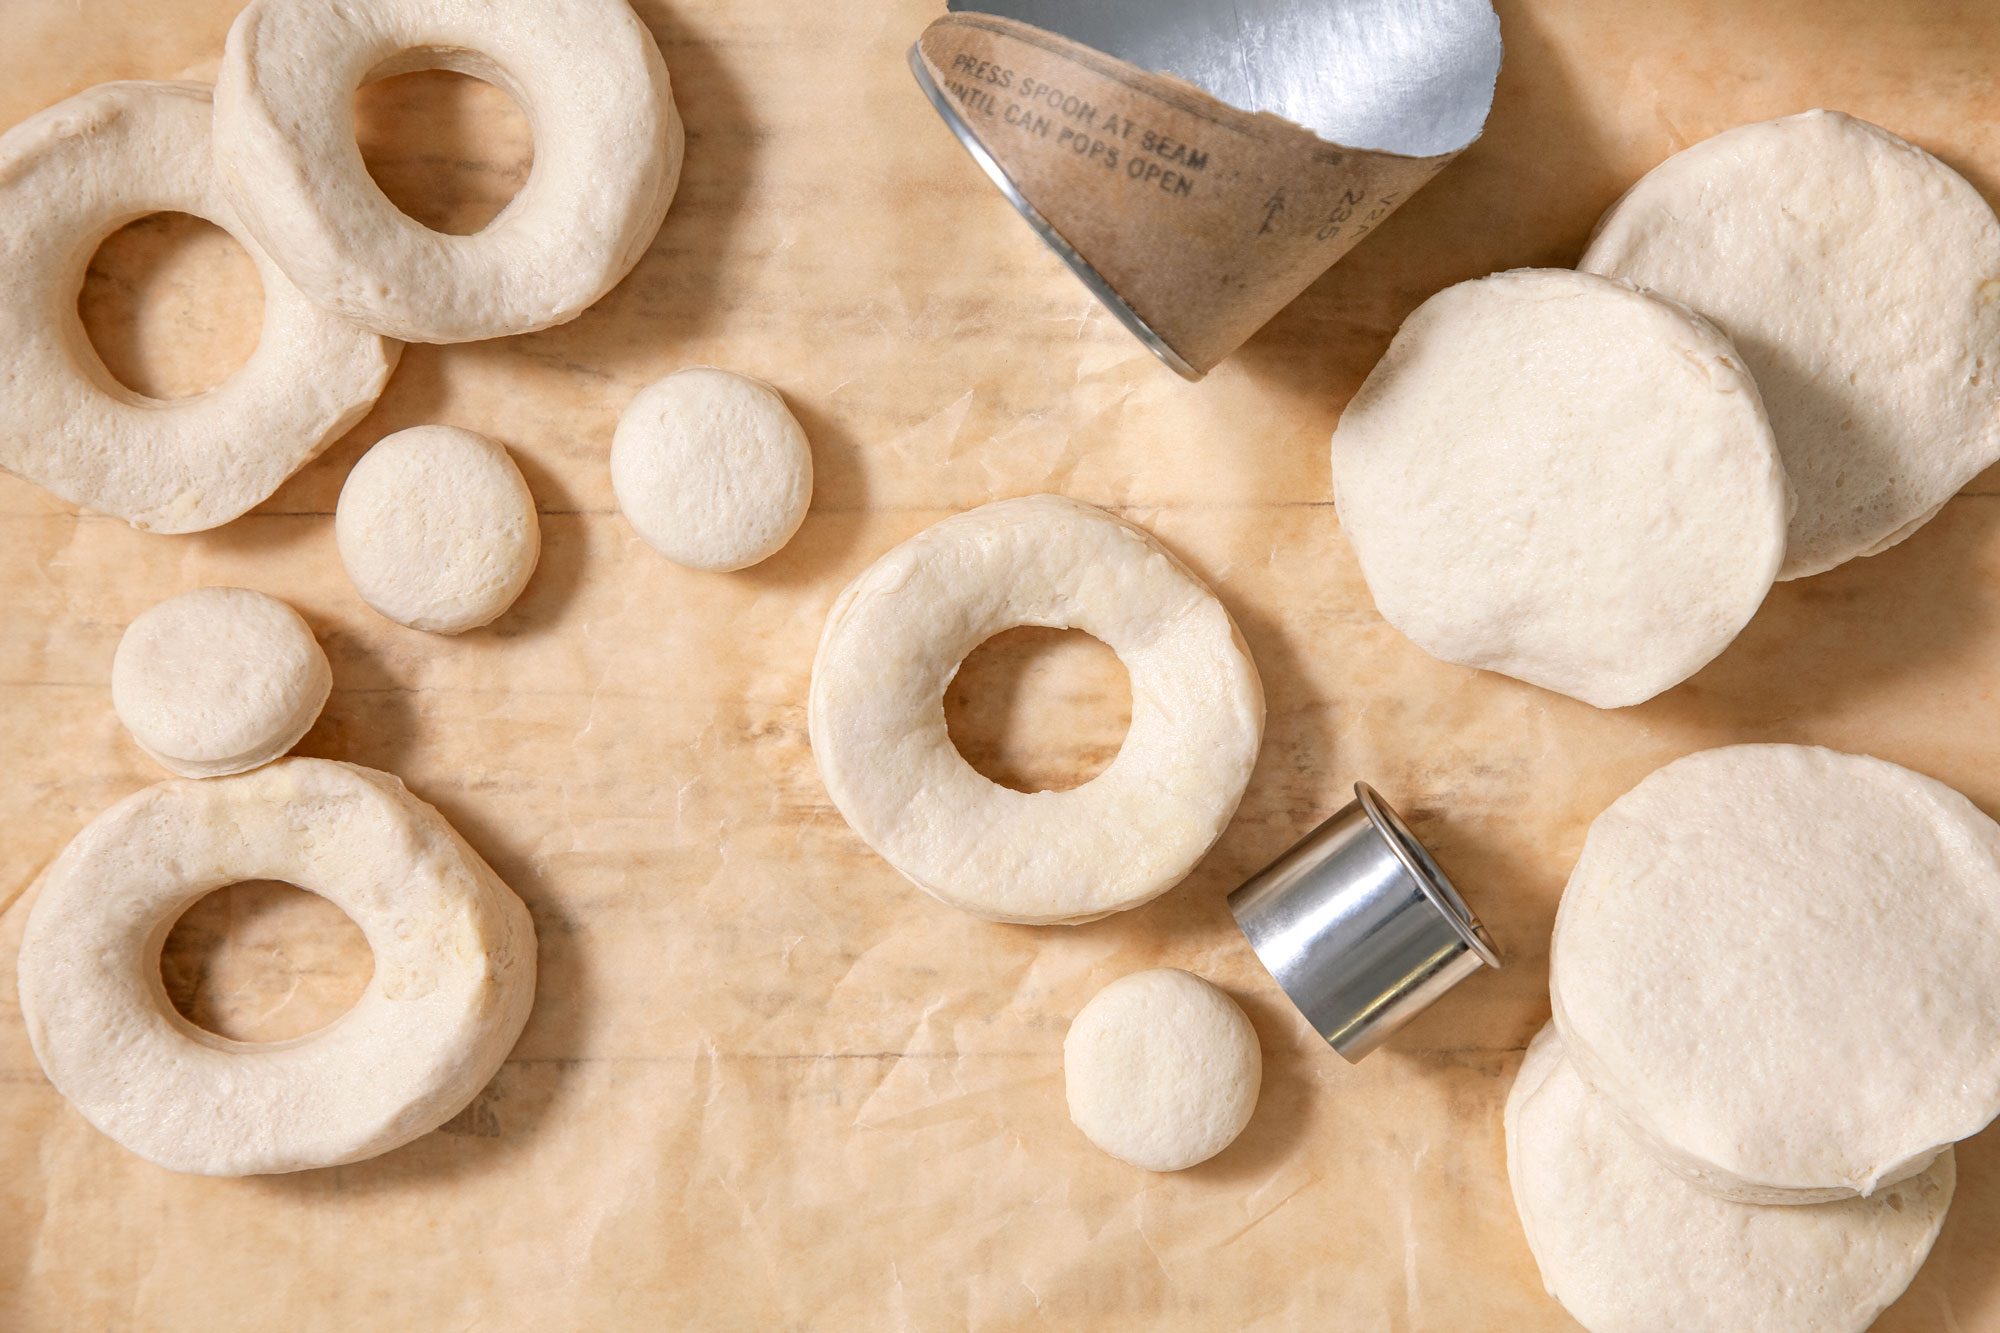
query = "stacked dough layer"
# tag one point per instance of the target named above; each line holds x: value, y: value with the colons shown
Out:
x: 1776, y: 983
x: 608, y: 146
x: 1625, y: 1244
x: 1539, y: 482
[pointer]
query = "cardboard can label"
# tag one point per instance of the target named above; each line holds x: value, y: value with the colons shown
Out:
x: 1202, y: 220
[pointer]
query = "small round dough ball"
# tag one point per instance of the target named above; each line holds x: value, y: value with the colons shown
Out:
x: 1162, y: 1070
x: 712, y: 469
x: 218, y: 680
x: 437, y: 529
x: 1562, y: 479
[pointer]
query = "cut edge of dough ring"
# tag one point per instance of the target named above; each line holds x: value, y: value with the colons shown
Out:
x: 70, y: 176
x: 608, y: 146
x: 453, y: 982
x: 893, y: 642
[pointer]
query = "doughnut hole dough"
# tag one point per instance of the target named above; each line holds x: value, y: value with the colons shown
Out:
x: 711, y: 468
x: 437, y: 529
x: 608, y: 146
x: 1629, y: 1247
x: 218, y: 680
x: 1558, y: 478
x: 1161, y: 1070
x: 1857, y: 275
x: 1781, y: 965
x: 71, y: 176
x: 454, y: 971
x: 896, y: 637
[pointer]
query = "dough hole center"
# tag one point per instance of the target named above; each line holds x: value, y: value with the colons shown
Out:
x: 172, y: 304
x: 448, y: 149
x: 1037, y: 709
x: 262, y: 961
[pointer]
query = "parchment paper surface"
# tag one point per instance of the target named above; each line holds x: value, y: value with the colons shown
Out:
x: 767, y: 1084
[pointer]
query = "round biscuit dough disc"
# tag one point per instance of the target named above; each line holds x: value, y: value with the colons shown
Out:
x: 437, y: 529
x: 1856, y: 274
x: 218, y: 680
x: 1781, y: 964
x: 1161, y: 1070
x: 1558, y: 478
x: 711, y: 468
x: 1629, y: 1247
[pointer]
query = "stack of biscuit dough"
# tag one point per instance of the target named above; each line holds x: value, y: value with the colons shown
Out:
x: 1777, y: 355
x: 1775, y: 984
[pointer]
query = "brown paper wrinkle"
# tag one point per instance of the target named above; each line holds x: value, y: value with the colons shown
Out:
x: 768, y: 1083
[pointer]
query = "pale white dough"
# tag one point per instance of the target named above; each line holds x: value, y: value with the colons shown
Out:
x: 608, y: 144
x: 218, y: 680
x: 894, y: 640
x: 1161, y: 1070
x: 1553, y: 476
x: 1860, y: 278
x: 1629, y: 1247
x: 711, y: 468
x: 454, y: 971
x: 1782, y: 965
x: 437, y: 529
x: 71, y: 176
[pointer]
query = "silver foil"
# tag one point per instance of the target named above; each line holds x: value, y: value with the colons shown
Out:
x: 1399, y: 76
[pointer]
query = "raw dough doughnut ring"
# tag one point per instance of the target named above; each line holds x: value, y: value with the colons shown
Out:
x: 454, y: 971
x: 608, y: 148
x: 71, y: 176
x: 895, y: 639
